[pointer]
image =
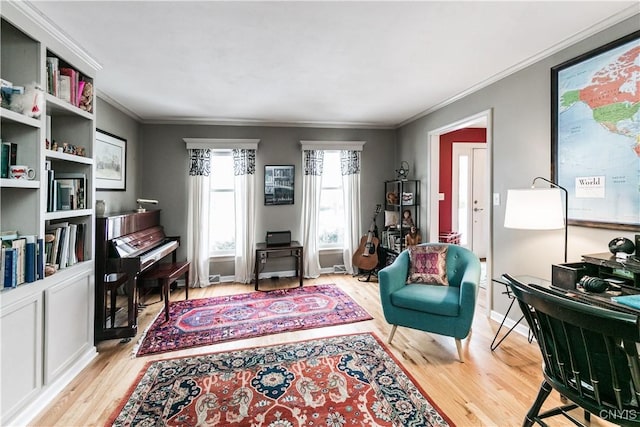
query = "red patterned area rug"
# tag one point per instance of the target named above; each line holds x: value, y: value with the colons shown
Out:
x: 349, y: 380
x: 208, y: 321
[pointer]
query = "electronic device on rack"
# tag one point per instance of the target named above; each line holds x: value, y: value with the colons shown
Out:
x: 278, y: 238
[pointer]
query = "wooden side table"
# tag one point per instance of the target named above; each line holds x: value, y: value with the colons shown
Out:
x: 294, y: 248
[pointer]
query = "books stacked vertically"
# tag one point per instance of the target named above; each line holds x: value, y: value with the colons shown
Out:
x: 64, y: 244
x: 65, y: 82
x: 66, y: 191
x: 21, y: 259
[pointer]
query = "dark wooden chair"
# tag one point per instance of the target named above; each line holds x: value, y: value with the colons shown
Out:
x: 590, y: 356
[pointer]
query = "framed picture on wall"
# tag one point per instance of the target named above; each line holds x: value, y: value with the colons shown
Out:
x: 595, y: 142
x: 278, y: 185
x: 111, y: 162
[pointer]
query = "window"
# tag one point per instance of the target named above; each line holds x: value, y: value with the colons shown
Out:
x: 331, y: 217
x: 222, y: 222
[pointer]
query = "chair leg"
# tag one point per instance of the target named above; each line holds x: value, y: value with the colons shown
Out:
x: 459, y: 347
x: 545, y: 390
x: 393, y: 331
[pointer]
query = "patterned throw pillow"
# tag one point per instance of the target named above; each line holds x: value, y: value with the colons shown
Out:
x: 428, y: 264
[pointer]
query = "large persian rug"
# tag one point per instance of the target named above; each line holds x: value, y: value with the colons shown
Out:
x: 348, y: 380
x: 208, y: 321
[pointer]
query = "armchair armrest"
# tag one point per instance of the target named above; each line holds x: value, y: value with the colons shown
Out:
x: 394, y: 276
x: 469, y: 284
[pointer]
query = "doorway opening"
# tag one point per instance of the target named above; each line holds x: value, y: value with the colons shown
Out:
x: 482, y: 119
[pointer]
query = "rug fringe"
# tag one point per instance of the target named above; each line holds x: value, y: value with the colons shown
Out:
x: 134, y: 352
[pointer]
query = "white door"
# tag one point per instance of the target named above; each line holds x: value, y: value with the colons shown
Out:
x: 469, y: 213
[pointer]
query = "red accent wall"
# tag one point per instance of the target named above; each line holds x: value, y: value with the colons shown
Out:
x: 446, y: 154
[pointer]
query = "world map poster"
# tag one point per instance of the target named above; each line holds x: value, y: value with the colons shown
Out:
x: 597, y: 135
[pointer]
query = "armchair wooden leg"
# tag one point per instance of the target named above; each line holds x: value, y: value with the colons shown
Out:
x: 393, y: 331
x: 459, y: 347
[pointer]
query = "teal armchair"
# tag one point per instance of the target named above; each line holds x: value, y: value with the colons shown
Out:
x: 443, y: 310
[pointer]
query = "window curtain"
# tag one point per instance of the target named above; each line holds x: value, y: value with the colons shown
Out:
x: 350, y: 168
x: 312, y: 161
x: 244, y: 168
x: 198, y: 217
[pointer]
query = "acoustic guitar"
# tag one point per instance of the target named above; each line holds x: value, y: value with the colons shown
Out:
x: 366, y: 256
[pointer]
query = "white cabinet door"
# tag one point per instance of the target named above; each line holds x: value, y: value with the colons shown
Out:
x: 21, y: 353
x: 68, y: 323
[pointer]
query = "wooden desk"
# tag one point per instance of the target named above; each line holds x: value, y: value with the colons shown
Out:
x: 294, y: 248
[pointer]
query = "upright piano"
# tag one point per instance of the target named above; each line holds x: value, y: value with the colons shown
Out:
x: 127, y: 245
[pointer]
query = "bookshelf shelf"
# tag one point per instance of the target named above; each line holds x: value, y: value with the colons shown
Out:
x: 12, y: 116
x: 47, y: 320
x: 72, y: 213
x: 59, y: 107
x: 19, y: 183
x: 50, y: 154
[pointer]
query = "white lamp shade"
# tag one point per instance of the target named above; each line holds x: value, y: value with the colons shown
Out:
x: 534, y: 209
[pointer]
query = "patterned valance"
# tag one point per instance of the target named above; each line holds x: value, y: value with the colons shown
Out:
x: 244, y: 161
x: 350, y: 162
x: 200, y: 164
x: 313, y: 162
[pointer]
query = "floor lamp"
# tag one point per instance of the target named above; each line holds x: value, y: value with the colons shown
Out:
x: 538, y: 209
x: 533, y: 209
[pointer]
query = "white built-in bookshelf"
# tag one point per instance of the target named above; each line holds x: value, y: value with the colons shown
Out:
x: 46, y: 323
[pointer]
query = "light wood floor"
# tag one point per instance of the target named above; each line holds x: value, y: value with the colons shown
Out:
x: 489, y: 389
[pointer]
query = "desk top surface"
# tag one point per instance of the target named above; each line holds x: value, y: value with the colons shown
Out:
x: 262, y: 246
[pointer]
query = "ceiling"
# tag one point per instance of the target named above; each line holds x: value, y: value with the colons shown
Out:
x: 374, y: 64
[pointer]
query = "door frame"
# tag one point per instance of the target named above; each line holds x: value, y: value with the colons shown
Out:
x: 456, y: 147
x: 484, y: 118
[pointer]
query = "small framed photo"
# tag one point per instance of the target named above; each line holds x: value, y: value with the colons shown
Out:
x: 111, y: 162
x: 278, y: 185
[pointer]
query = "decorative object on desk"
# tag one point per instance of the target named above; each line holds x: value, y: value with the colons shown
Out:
x: 537, y: 209
x: 403, y: 172
x: 110, y: 161
x: 279, y: 185
x: 621, y: 244
x: 325, y: 381
x: 591, y: 108
x: 207, y: 321
x: 140, y: 202
x: 593, y: 284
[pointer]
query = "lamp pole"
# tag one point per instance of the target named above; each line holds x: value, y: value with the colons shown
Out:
x: 566, y: 209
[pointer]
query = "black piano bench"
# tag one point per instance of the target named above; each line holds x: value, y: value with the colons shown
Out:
x: 165, y: 274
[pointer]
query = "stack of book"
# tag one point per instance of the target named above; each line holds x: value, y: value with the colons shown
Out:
x: 66, y: 191
x: 64, y: 244
x: 63, y: 82
x: 21, y: 259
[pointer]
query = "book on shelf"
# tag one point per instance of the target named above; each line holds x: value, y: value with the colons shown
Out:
x: 64, y: 194
x: 4, y: 160
x: 20, y: 244
x: 53, y: 74
x: 10, y: 267
x: 78, y: 183
x: 65, y: 244
x: 64, y: 90
x: 39, y: 258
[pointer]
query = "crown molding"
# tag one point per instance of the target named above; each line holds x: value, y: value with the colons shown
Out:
x: 602, y: 25
x: 115, y: 104
x: 265, y: 123
x: 33, y: 13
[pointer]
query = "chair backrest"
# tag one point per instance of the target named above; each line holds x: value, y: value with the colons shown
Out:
x: 590, y: 353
